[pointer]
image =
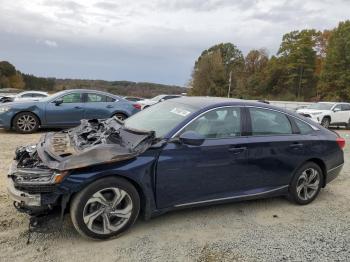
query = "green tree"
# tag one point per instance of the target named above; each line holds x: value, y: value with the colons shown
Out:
x: 298, y: 54
x: 335, y: 76
x: 213, y: 68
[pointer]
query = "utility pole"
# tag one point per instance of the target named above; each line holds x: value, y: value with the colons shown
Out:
x: 301, y: 77
x: 229, y: 85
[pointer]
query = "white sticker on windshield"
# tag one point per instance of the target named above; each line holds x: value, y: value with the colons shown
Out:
x: 180, y: 112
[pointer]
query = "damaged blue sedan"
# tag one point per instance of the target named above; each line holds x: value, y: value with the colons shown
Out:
x: 185, y: 152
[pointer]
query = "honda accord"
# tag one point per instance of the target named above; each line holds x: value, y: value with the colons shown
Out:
x: 184, y: 152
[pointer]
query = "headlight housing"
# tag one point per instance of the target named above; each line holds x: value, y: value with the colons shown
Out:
x: 38, y: 177
x: 4, y: 109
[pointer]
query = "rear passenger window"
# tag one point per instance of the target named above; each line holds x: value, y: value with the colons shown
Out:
x: 268, y: 122
x: 303, y: 127
x: 219, y: 123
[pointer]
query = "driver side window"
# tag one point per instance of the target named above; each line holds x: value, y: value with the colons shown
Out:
x: 72, y: 98
x: 219, y: 123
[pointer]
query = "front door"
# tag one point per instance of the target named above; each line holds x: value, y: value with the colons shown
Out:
x: 216, y: 169
x: 341, y: 114
x: 67, y: 113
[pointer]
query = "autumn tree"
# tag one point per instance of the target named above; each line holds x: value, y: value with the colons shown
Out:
x: 9, y: 77
x: 335, y: 76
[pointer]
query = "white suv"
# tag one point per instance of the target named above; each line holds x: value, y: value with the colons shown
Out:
x: 328, y: 113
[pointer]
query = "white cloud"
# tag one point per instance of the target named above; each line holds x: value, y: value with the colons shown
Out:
x: 50, y: 43
x: 160, y: 30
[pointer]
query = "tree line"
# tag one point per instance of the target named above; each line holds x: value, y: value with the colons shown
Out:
x: 309, y: 65
x: 10, y: 78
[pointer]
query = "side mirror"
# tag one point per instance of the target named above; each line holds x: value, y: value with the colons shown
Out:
x: 162, y: 100
x: 192, y: 138
x: 337, y: 109
x: 58, y: 102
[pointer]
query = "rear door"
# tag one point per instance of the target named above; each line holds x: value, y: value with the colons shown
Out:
x: 68, y: 113
x: 276, y: 146
x: 98, y: 106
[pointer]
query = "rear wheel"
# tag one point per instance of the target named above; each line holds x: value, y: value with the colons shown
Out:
x: 306, y: 183
x: 105, y: 208
x: 26, y: 122
x: 326, y: 122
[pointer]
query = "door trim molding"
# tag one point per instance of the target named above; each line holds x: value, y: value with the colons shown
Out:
x: 229, y: 198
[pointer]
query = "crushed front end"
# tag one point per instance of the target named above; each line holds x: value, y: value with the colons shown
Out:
x: 35, y: 176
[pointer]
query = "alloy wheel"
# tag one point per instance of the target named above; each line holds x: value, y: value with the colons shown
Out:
x: 26, y: 123
x: 107, y: 210
x: 308, y: 184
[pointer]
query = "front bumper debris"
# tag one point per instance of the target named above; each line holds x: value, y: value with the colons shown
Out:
x: 23, y: 198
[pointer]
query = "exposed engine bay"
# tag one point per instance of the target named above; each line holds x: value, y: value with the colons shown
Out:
x: 93, y: 142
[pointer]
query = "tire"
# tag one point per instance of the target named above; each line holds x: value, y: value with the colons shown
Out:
x: 306, y: 183
x: 91, y: 210
x: 121, y: 116
x: 26, y: 123
x: 325, y: 122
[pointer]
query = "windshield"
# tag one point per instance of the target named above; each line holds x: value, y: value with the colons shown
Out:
x: 320, y: 106
x: 161, y: 118
x: 53, y: 96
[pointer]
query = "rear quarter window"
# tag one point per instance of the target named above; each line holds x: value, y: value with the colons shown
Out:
x: 303, y: 127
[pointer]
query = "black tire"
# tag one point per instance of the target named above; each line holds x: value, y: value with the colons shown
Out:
x: 80, y: 203
x: 325, y: 122
x: 298, y: 196
x: 26, y: 123
x: 121, y: 116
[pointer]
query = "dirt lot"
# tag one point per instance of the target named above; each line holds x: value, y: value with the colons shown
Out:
x: 263, y: 230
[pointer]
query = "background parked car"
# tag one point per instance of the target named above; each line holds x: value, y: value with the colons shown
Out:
x: 64, y: 109
x: 24, y: 96
x: 328, y: 113
x: 133, y: 98
x: 149, y: 102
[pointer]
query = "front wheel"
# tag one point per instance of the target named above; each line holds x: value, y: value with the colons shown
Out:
x: 325, y: 122
x: 105, y: 208
x: 26, y: 123
x: 306, y: 183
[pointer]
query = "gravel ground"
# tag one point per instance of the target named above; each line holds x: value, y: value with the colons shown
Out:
x: 262, y: 230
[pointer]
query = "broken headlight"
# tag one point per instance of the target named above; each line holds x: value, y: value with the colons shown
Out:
x: 38, y: 177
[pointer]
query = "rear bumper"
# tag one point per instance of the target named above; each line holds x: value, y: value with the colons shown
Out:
x: 333, y: 173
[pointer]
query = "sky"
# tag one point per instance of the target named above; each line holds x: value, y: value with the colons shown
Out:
x: 147, y: 40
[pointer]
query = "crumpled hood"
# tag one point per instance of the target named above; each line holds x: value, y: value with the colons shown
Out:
x: 93, y: 142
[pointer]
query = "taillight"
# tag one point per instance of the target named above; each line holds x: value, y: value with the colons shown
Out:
x: 137, y: 106
x: 341, y: 142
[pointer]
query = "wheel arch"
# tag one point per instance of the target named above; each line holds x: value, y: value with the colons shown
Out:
x: 120, y: 112
x: 328, y: 116
x: 321, y: 164
x: 137, y: 186
x: 25, y: 111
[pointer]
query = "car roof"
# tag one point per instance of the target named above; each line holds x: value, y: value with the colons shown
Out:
x: 32, y: 92
x: 89, y: 91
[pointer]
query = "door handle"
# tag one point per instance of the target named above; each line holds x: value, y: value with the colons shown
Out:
x: 237, y: 150
x: 78, y: 107
x: 109, y: 106
x: 296, y: 145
